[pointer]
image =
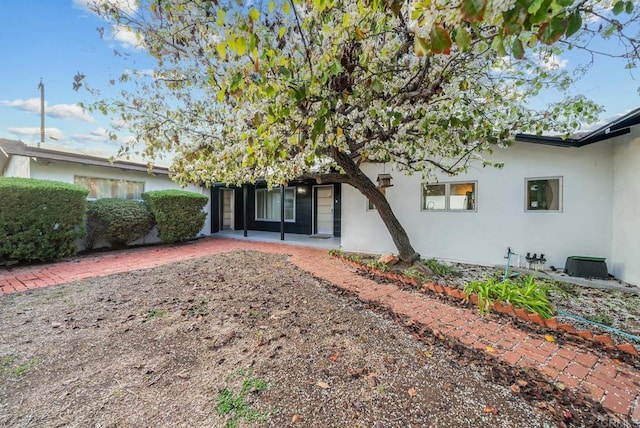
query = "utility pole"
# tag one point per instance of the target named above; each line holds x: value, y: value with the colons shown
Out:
x: 41, y: 87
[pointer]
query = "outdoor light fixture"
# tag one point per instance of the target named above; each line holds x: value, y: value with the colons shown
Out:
x: 384, y: 180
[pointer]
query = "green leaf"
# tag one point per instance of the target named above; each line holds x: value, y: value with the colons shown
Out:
x: 517, y: 49
x: 619, y: 7
x: 629, y: 7
x: 220, y: 96
x: 220, y: 17
x: 535, y: 6
x: 564, y: 3
x: 221, y: 48
x: 574, y: 24
x: 254, y: 14
x: 272, y: 5
x: 473, y: 10
x: 421, y: 46
x: 440, y: 40
x: 463, y: 39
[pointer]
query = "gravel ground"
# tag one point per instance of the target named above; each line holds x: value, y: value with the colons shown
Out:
x: 615, y: 308
x: 239, y: 338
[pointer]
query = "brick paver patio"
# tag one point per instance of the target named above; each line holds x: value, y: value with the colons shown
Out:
x: 613, y: 383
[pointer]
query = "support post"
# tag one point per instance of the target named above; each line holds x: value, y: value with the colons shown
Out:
x: 282, y: 212
x: 244, y: 209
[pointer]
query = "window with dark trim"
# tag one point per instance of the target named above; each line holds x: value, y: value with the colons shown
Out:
x: 268, y: 204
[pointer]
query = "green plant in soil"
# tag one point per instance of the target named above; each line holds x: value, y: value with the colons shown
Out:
x: 236, y: 405
x: 439, y: 268
x: 19, y: 370
x: 155, y: 313
x: 601, y: 318
x: 374, y: 264
x: 523, y: 293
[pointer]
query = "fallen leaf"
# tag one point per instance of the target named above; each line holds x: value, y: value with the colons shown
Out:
x: 334, y: 357
x: 412, y: 392
x: 373, y: 381
x: 490, y: 349
x: 617, y: 361
x: 296, y: 419
x: 491, y: 409
x: 561, y: 386
x: 522, y: 382
x: 549, y: 338
x: 323, y: 385
x: 515, y: 388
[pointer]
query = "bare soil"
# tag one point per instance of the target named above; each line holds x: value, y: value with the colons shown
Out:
x: 174, y: 346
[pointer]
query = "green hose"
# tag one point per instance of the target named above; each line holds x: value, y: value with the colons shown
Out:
x: 602, y: 326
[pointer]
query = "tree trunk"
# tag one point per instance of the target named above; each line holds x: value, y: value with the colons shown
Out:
x: 356, y: 178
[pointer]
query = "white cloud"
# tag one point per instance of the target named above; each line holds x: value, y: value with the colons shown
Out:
x: 32, y: 105
x: 128, y: 6
x: 97, y: 135
x: 53, y: 133
x: 57, y: 111
x: 127, y: 38
x: 553, y: 62
x: 68, y: 111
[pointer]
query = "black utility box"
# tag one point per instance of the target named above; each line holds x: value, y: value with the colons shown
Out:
x: 586, y: 267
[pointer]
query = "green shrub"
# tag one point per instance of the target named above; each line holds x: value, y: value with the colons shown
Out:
x: 40, y: 219
x: 178, y: 213
x: 117, y: 221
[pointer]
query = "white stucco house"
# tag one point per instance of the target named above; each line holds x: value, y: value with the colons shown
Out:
x: 103, y: 179
x: 561, y: 198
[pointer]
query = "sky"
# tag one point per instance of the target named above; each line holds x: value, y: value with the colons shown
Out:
x: 53, y: 40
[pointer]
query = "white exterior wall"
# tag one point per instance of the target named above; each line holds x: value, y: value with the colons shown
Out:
x: 582, y: 228
x: 65, y: 172
x: 18, y: 166
x: 626, y: 208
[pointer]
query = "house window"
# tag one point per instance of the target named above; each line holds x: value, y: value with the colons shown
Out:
x: 100, y: 188
x: 370, y: 206
x: 543, y: 194
x: 449, y: 196
x: 268, y: 204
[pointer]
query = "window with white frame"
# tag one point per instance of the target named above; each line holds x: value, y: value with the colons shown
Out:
x: 100, y: 188
x: 268, y: 204
x: 459, y: 196
x: 543, y: 194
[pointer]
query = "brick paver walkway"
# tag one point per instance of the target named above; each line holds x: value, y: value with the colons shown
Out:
x: 615, y: 384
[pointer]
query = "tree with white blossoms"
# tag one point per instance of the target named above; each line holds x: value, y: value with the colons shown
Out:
x: 290, y: 88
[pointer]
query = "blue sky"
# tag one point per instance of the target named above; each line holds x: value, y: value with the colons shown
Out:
x: 55, y: 39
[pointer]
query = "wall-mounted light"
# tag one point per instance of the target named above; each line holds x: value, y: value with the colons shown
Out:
x: 302, y: 190
x: 384, y: 180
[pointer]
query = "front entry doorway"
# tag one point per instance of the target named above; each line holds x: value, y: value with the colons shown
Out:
x: 323, y: 218
x: 226, y: 219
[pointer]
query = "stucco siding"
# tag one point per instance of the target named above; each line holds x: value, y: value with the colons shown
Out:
x: 626, y: 208
x: 18, y: 166
x: 583, y: 227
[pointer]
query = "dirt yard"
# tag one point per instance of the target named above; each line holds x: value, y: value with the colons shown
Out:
x: 238, y: 339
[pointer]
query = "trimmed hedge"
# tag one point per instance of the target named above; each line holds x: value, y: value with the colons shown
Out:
x: 40, y: 219
x: 117, y: 221
x: 178, y: 213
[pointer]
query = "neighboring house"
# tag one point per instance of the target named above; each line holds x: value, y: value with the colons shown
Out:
x: 577, y: 197
x: 103, y: 179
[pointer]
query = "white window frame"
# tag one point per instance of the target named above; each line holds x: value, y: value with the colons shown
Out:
x: 276, y: 190
x: 116, y: 180
x: 447, y: 196
x: 560, y: 194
